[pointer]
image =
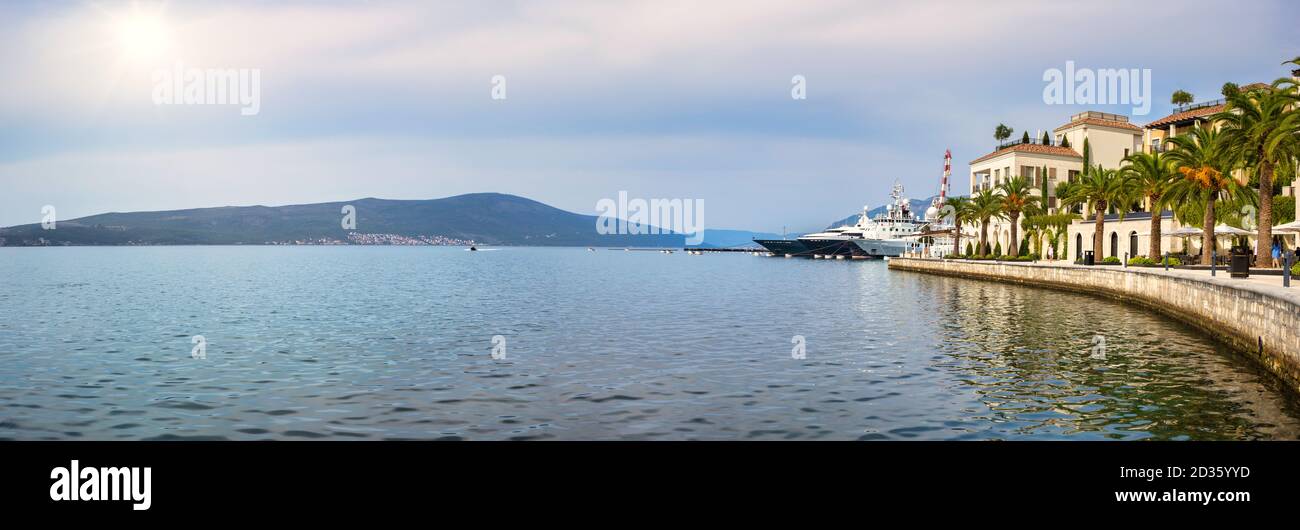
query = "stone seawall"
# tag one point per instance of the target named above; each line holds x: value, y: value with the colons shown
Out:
x: 1263, y: 321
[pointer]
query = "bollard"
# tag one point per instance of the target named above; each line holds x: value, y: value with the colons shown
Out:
x: 1166, y: 260
x: 1286, y: 270
x: 1213, y: 257
x: 1126, y: 260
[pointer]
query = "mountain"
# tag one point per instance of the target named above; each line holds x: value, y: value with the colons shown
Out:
x: 919, y: 206
x: 484, y: 218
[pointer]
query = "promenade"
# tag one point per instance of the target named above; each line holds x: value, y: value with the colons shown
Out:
x: 1255, y: 315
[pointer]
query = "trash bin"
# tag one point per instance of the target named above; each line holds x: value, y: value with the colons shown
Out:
x: 1088, y: 258
x: 1240, y: 265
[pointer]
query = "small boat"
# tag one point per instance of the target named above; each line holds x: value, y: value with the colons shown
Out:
x: 473, y: 248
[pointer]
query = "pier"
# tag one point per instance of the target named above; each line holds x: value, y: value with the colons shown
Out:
x: 1256, y: 315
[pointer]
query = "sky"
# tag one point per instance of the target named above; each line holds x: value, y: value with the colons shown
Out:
x: 660, y: 98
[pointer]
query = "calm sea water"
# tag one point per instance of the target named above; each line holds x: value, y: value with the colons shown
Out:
x: 396, y: 342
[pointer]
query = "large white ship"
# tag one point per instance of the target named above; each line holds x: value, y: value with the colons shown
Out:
x: 892, y: 233
x: 885, y: 235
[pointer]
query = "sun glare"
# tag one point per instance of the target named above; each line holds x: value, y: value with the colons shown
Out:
x: 142, y: 36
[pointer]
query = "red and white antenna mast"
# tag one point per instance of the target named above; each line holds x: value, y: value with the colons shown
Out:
x: 936, y: 205
x: 947, y: 171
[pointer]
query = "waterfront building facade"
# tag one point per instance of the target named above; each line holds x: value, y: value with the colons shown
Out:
x: 1044, y: 166
x: 1111, y: 138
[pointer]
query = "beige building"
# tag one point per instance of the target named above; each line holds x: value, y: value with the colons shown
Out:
x: 1110, y: 138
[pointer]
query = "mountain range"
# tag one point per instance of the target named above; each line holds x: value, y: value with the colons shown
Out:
x: 480, y: 218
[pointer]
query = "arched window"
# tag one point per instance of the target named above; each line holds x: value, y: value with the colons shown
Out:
x: 1132, y: 244
x: 1078, y: 246
x: 1114, y: 244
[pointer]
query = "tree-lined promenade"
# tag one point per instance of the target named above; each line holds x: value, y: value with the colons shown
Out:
x: 1227, y: 170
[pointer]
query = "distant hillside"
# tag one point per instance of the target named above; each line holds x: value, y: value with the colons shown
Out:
x: 485, y: 218
x: 918, y: 207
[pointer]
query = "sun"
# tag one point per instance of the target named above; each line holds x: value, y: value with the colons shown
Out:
x: 141, y: 35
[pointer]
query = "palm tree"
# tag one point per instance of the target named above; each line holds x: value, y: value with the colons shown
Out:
x: 1101, y: 188
x: 961, y: 212
x: 1255, y: 136
x: 985, y: 205
x: 1058, y: 225
x: 1199, y: 157
x: 1152, y: 173
x: 1017, y: 196
x: 1002, y: 132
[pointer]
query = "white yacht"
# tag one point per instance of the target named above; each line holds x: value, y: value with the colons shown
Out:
x: 884, y: 236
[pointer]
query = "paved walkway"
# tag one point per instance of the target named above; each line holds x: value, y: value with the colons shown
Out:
x: 1264, y: 284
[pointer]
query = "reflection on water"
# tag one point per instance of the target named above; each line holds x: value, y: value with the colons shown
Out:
x: 393, y: 342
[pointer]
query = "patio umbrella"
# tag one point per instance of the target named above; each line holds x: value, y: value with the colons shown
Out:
x: 1290, y: 228
x: 1225, y: 230
x: 1185, y: 232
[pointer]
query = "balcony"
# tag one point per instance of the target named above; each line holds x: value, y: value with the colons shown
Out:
x: 1021, y: 141
x: 1201, y: 105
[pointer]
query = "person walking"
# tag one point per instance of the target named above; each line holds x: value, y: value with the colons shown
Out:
x: 1277, y: 254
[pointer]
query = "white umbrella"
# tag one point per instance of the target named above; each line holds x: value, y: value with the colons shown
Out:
x: 1185, y: 231
x: 1225, y: 230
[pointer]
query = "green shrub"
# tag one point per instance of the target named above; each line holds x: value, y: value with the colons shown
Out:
x: 1295, y: 270
x: 1148, y: 262
x: 997, y: 249
x: 1111, y: 260
x: 969, y: 251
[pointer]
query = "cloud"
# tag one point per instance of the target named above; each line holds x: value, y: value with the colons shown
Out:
x: 674, y: 98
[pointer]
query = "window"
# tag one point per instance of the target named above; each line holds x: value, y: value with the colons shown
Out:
x: 1078, y: 246
x: 1051, y: 174
x: 1132, y: 244
x: 1125, y: 152
x: 1114, y: 244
